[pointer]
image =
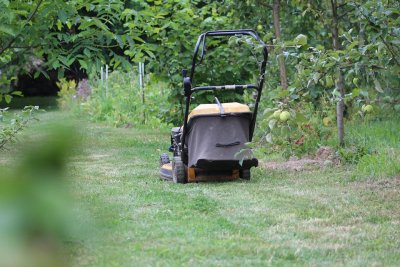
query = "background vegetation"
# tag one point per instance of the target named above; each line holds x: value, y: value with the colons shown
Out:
x: 327, y: 58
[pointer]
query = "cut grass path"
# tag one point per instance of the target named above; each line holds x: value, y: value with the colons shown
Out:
x: 321, y: 217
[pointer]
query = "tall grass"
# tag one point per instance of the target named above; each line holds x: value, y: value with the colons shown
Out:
x: 125, y: 103
x: 382, y: 141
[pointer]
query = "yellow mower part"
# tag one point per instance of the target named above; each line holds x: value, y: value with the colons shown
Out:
x: 167, y: 166
x: 209, y: 109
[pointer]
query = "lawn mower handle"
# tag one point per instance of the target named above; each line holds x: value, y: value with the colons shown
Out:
x: 225, y: 87
x: 202, y: 41
x: 187, y: 81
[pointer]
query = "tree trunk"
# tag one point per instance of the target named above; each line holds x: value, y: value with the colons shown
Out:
x: 277, y: 29
x: 339, y: 75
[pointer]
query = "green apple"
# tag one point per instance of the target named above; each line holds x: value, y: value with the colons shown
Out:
x: 284, y: 116
x: 277, y: 113
x: 300, y: 39
x: 368, y: 109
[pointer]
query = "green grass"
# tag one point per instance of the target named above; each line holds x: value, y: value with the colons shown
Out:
x: 334, y: 216
x: 47, y: 103
x: 381, y: 141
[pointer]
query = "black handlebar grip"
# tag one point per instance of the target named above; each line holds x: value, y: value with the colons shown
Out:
x: 187, y: 86
x: 184, y: 73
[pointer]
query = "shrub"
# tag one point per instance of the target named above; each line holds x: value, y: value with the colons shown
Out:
x: 124, y: 103
x: 294, y: 128
x: 10, y: 127
x: 67, y: 93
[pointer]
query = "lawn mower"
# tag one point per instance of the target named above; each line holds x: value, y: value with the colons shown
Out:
x: 209, y: 143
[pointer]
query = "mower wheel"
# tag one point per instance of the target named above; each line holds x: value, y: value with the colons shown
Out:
x: 164, y: 159
x: 178, y: 171
x: 245, y: 174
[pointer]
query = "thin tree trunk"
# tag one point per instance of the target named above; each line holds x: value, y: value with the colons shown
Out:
x: 277, y: 29
x: 339, y: 75
x: 361, y: 43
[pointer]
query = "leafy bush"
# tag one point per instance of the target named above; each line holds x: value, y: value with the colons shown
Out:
x: 10, y: 127
x: 124, y: 103
x: 292, y: 127
x: 67, y: 93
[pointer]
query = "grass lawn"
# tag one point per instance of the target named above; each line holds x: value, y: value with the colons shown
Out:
x: 48, y: 103
x: 342, y: 216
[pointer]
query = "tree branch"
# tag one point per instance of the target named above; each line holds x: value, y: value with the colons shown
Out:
x: 389, y: 48
x: 16, y: 36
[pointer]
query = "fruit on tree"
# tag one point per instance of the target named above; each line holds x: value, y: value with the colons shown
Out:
x: 277, y: 113
x: 301, y: 39
x: 367, y: 108
x: 259, y: 27
x: 284, y: 116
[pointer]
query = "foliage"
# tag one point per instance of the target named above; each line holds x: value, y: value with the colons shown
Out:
x: 123, y: 105
x: 9, y: 96
x: 368, y: 58
x: 177, y: 38
x: 66, y: 94
x: 80, y: 36
x: 38, y: 214
x: 10, y: 127
x: 300, y: 131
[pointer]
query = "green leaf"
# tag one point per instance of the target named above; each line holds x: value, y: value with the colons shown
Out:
x: 62, y: 16
x: 44, y: 73
x: 356, y: 92
x: 59, y: 25
x: 378, y: 86
x: 272, y: 123
x: 329, y: 81
x: 119, y: 40
x: 268, y: 111
x: 269, y: 138
x: 300, y: 118
x: 151, y: 54
x: 17, y: 93
x: 7, y: 98
x: 137, y: 38
x: 83, y: 64
x: 7, y: 30
x: 285, y: 131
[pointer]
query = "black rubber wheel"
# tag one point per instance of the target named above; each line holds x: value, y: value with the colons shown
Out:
x: 178, y: 171
x: 245, y: 174
x: 164, y: 159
